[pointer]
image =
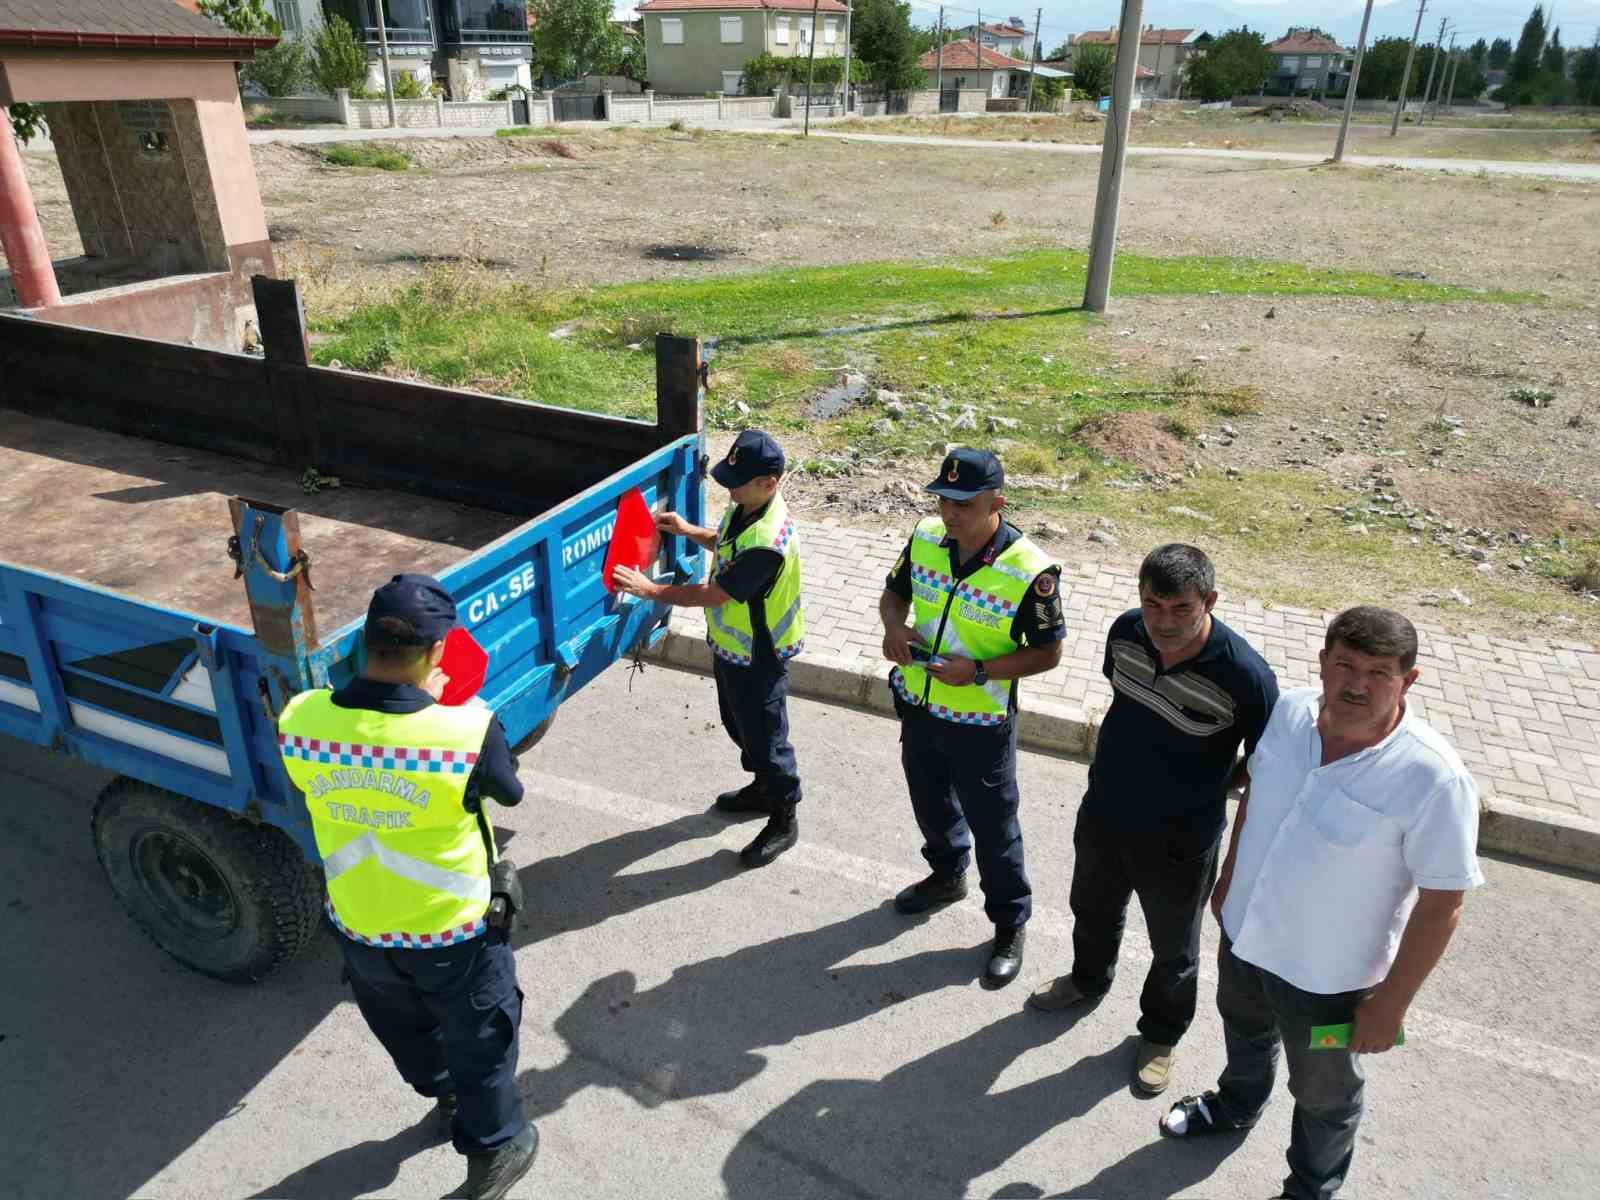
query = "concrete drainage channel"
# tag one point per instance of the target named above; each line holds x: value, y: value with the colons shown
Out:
x: 1505, y: 827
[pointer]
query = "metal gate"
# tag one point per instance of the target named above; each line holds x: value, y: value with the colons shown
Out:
x: 950, y: 100
x: 581, y: 108
x: 898, y: 103
x: 519, y: 110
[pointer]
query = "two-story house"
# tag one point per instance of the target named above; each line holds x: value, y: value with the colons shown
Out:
x: 1013, y: 39
x: 476, y: 46
x: 1162, y: 52
x: 1306, y: 62
x: 698, y: 46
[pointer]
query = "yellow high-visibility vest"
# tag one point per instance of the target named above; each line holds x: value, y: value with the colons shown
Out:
x: 407, y: 865
x: 729, y: 627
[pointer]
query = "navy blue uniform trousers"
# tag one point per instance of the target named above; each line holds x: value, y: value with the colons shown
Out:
x: 963, y: 784
x: 449, y: 1019
x: 754, y: 702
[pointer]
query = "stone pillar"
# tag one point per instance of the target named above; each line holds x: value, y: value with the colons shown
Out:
x: 438, y: 111
x: 554, y: 116
x: 605, y: 99
x: 721, y: 108
x: 649, y: 104
x: 33, y: 276
x: 341, y: 101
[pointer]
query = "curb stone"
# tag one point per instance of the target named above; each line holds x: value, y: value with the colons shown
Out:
x: 1505, y: 826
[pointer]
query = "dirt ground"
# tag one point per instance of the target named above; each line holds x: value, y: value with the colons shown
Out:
x: 1338, y: 377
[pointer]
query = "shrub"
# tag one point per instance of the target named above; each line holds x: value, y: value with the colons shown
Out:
x: 281, y: 70
x: 337, y: 59
x: 365, y: 154
x: 406, y: 86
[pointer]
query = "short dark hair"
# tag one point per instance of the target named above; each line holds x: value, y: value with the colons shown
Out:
x: 1380, y: 632
x: 1176, y: 569
x: 393, y: 643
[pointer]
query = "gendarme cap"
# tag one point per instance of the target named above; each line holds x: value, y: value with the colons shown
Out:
x: 752, y: 455
x: 418, y: 600
x: 966, y: 472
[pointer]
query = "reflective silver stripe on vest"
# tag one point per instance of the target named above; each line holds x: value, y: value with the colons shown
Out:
x: 714, y: 615
x: 467, y: 887
x: 782, y: 627
x: 999, y: 692
x: 1015, y: 573
x: 922, y: 535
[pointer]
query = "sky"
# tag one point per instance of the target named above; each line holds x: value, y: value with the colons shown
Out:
x: 1578, y: 19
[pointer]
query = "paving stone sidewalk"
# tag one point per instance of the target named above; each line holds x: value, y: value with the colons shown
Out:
x: 1524, y: 715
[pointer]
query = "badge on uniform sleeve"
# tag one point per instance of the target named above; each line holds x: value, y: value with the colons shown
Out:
x: 1045, y: 585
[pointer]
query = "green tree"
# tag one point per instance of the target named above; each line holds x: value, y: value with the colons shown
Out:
x: 1586, y: 77
x: 1530, y: 50
x: 1060, y: 54
x: 1554, y: 58
x: 280, y: 70
x: 27, y: 121
x: 1238, y: 61
x: 573, y: 38
x: 1478, y: 52
x: 885, y: 42
x: 1093, y: 64
x: 253, y: 18
x: 1499, y: 53
x: 337, y: 59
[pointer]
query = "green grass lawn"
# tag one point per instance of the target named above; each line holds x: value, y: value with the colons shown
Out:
x: 1004, y: 336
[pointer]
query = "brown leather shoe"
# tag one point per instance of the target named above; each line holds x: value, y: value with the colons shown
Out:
x: 1059, y: 996
x: 1152, y: 1069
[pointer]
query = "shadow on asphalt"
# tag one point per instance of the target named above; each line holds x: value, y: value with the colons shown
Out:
x: 366, y: 1168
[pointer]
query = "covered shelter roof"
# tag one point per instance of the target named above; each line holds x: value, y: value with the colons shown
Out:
x: 142, y: 25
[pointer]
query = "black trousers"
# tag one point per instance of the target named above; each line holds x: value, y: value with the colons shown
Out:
x: 449, y: 1019
x: 1172, y: 873
x: 754, y: 702
x: 963, y: 784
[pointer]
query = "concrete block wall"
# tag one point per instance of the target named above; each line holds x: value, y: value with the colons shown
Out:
x: 693, y: 110
x: 486, y: 114
x: 628, y: 109
x: 304, y: 108
x: 408, y: 114
x: 748, y: 108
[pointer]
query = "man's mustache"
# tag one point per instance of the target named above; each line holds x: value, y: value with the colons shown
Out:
x: 1350, y: 698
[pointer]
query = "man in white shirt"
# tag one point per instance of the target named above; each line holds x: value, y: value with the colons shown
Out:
x: 1351, y: 856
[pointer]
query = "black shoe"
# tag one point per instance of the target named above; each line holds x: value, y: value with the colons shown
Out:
x: 780, y: 832
x: 751, y: 798
x: 1006, y: 960
x: 490, y: 1176
x: 935, y: 891
x: 445, y: 1110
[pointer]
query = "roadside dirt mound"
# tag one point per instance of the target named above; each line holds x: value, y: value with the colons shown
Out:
x: 1495, y: 503
x: 1136, y: 438
x: 1295, y: 108
x: 437, y: 153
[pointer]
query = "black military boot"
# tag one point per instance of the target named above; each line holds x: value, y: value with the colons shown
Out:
x: 490, y: 1176
x: 935, y: 891
x: 1006, y: 960
x: 780, y: 832
x: 445, y: 1116
x: 751, y: 798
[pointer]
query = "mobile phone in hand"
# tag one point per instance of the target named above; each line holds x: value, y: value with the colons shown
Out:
x: 920, y: 653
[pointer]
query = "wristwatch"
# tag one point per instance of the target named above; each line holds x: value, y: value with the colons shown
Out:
x: 980, y: 674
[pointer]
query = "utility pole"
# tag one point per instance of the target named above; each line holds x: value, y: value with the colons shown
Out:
x: 1433, y: 63
x: 1038, y: 15
x: 1450, y: 96
x: 1405, y: 76
x: 1350, y: 85
x: 848, y: 13
x: 1108, y: 198
x: 811, y: 66
x: 383, y: 52
x: 940, y: 83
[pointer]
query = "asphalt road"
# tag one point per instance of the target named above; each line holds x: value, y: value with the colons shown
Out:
x: 692, y: 1030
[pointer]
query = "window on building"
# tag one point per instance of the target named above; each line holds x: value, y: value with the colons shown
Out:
x: 732, y: 30
x: 803, y: 28
x: 830, y: 31
x: 1289, y: 64
x: 733, y: 83
x: 781, y: 31
x: 288, y: 14
x: 672, y: 31
x: 1314, y: 62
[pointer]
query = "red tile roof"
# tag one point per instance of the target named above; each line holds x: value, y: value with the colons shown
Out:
x: 1005, y: 30
x: 1149, y: 37
x: 959, y: 56
x: 655, y: 6
x: 1300, y: 43
x: 127, y: 24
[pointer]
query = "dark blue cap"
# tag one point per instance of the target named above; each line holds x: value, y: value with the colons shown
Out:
x: 418, y: 600
x: 965, y: 472
x: 752, y: 455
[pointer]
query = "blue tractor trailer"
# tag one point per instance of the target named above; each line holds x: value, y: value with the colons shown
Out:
x: 188, y: 538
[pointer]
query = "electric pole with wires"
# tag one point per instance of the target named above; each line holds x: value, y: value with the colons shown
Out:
x: 811, y: 67
x: 1350, y: 86
x: 1038, y: 16
x: 940, y: 83
x: 1108, y: 197
x: 1433, y: 64
x: 1405, y: 76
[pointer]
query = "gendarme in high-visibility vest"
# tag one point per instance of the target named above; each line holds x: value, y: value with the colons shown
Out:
x: 967, y: 618
x: 729, y: 628
x: 407, y: 865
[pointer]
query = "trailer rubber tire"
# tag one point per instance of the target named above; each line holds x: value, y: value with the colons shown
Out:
x: 229, y: 899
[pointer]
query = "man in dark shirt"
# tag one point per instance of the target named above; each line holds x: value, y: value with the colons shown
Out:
x: 1186, y: 691
x: 754, y: 623
x: 985, y: 611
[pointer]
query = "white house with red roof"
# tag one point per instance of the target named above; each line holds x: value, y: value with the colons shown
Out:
x: 1162, y: 52
x: 970, y: 67
x: 1013, y: 39
x: 697, y: 46
x: 1307, y: 62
